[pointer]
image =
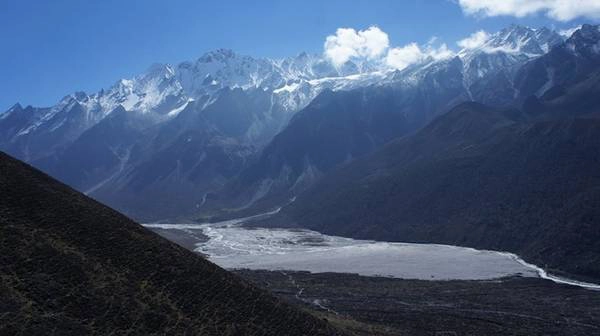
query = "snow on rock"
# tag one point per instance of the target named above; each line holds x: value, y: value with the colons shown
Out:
x: 163, y: 91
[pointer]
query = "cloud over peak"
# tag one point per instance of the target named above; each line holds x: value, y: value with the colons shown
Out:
x: 474, y: 41
x: 562, y: 10
x: 373, y: 44
x: 402, y: 57
x: 348, y: 43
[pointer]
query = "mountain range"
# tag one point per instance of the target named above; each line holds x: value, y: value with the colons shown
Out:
x: 234, y: 132
x: 339, y: 126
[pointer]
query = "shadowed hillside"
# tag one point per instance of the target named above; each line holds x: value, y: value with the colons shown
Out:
x: 71, y: 266
x: 474, y: 177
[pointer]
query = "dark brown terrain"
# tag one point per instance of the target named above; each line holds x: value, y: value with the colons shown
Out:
x: 386, y: 306
x: 71, y: 266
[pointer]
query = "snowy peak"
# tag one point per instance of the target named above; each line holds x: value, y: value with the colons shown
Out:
x: 223, y: 68
x: 219, y: 55
x: 310, y: 66
x: 587, y: 32
x: 585, y: 40
x: 304, y: 67
x: 158, y: 71
x: 506, y: 50
x: 163, y: 90
x: 524, y: 40
x: 547, y: 39
x: 15, y: 107
x: 516, y: 40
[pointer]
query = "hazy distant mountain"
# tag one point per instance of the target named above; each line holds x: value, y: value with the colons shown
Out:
x: 178, y: 131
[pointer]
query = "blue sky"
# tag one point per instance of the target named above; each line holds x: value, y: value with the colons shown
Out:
x: 53, y: 48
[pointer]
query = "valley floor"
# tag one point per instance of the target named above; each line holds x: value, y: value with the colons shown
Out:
x: 479, y: 302
x: 388, y: 306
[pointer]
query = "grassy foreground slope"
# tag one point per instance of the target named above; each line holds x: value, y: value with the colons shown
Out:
x: 71, y: 266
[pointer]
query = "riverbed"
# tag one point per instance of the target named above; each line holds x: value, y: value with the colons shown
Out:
x: 233, y: 246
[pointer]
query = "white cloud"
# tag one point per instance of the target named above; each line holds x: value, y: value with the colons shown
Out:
x: 474, y: 41
x: 401, y: 57
x: 347, y: 43
x: 373, y: 44
x: 562, y: 10
x: 442, y: 52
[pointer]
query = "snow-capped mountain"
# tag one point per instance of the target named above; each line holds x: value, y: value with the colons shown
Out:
x: 197, y: 124
x: 163, y: 90
x: 337, y: 127
x: 566, y: 63
x: 517, y: 40
x: 506, y: 50
x: 501, y: 53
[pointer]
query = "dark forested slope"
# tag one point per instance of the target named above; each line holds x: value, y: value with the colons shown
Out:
x: 475, y: 177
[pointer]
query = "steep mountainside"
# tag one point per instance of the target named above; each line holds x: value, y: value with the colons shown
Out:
x: 566, y: 64
x: 203, y: 119
x: 339, y: 126
x: 163, y: 170
x: 71, y: 266
x: 521, y: 182
x: 335, y: 128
